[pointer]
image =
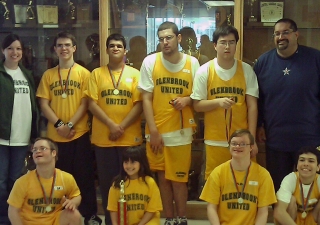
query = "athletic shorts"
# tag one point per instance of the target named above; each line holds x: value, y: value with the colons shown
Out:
x: 174, y: 161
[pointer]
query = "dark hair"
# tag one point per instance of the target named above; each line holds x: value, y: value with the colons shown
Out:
x: 51, y: 143
x: 224, y: 31
x: 310, y: 149
x: 293, y: 24
x: 117, y: 37
x: 168, y: 25
x: 138, y: 42
x: 242, y: 132
x: 7, y: 41
x: 137, y: 153
x: 65, y: 34
x: 204, y: 37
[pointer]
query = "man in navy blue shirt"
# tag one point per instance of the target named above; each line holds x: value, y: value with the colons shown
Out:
x: 289, y: 101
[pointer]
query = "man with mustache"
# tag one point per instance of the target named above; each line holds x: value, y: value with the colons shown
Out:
x: 289, y: 101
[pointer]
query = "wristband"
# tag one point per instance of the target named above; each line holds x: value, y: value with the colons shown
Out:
x: 58, y: 123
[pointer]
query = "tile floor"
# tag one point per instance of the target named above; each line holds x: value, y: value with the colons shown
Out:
x: 190, y: 222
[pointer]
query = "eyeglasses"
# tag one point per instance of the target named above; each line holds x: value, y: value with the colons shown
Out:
x: 241, y: 145
x: 283, y: 33
x: 167, y: 38
x: 68, y: 45
x: 225, y: 43
x: 40, y: 149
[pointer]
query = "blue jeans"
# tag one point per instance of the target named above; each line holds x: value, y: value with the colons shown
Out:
x: 11, y: 165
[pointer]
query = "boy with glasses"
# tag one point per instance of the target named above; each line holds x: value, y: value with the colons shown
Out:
x: 226, y: 90
x: 63, y: 103
x: 239, y: 191
x: 289, y: 100
x: 166, y: 84
x: 45, y: 195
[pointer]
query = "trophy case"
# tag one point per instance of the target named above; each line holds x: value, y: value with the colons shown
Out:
x: 38, y: 21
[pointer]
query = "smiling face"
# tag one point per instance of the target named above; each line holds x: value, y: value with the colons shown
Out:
x: 240, y: 147
x: 116, y: 50
x: 285, y: 38
x: 132, y: 169
x: 42, y: 153
x: 13, y: 53
x: 64, y: 49
x: 307, y: 166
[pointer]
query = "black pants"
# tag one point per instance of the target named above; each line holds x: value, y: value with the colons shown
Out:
x: 76, y: 158
x: 280, y: 164
x: 109, y: 162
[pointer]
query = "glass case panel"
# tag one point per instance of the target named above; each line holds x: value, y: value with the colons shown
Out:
x: 38, y: 21
x: 257, y: 33
x: 138, y: 21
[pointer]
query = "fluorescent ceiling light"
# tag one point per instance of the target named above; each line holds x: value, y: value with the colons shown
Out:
x: 218, y: 3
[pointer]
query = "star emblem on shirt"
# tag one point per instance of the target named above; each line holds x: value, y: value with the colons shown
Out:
x: 286, y: 71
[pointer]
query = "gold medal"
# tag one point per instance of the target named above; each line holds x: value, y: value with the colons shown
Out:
x: 182, y: 132
x: 48, y: 208
x: 303, y: 215
x: 115, y: 91
x: 64, y: 95
x: 240, y: 200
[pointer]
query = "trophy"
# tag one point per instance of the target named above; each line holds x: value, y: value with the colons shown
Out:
x: 229, y: 19
x: 122, y: 206
x: 6, y: 13
x: 252, y: 18
x: 30, y: 12
x: 71, y: 10
x: 189, y: 41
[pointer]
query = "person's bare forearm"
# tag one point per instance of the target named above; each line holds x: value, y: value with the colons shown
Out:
x: 146, y: 218
x: 99, y: 113
x: 14, y: 216
x: 132, y: 116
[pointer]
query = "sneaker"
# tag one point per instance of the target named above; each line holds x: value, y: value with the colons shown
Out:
x: 170, y: 221
x: 94, y: 220
x: 181, y: 221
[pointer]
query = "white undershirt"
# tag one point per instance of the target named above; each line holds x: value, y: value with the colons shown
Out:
x: 21, y: 114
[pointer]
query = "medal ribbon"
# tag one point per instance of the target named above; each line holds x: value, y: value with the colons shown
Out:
x: 235, y: 181
x: 115, y: 85
x: 68, y: 79
x: 228, y: 122
x: 47, y: 201
x: 303, y: 202
x: 171, y: 102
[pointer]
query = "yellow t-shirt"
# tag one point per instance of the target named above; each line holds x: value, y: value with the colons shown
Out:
x: 116, y: 107
x: 220, y: 190
x: 140, y: 198
x: 27, y: 195
x: 168, y: 86
x: 221, y: 123
x: 313, y: 200
x: 50, y: 88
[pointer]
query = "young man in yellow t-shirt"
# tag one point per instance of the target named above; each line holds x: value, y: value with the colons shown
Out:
x: 45, y: 195
x: 116, y: 106
x: 63, y: 103
x: 226, y: 90
x: 166, y: 84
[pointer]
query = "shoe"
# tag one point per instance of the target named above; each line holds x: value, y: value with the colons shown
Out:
x: 94, y: 220
x: 181, y: 221
x: 170, y: 222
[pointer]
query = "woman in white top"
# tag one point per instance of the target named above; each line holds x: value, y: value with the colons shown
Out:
x: 18, y: 117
